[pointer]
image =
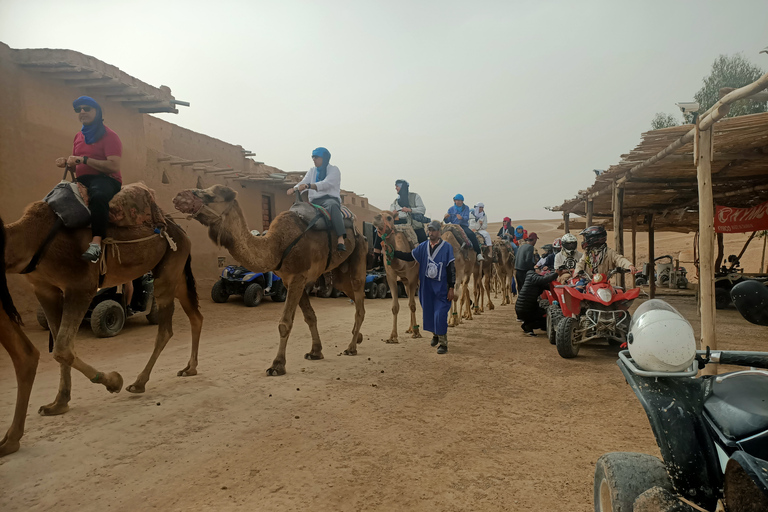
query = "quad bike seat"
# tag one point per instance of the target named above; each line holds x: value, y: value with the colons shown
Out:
x: 739, y: 405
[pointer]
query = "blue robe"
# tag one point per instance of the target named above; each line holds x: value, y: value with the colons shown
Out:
x: 433, y: 285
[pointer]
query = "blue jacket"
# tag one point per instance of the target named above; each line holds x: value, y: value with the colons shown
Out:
x: 453, y: 219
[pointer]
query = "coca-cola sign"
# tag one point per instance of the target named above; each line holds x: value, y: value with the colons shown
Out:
x: 741, y: 220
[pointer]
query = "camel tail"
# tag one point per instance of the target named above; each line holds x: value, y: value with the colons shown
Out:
x: 191, y: 284
x: 5, y: 296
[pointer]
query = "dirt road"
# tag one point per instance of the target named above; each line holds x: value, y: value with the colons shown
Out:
x: 499, y: 423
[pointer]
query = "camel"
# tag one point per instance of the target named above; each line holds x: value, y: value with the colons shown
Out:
x: 407, y: 271
x: 465, y: 259
x: 23, y: 354
x: 65, y: 285
x: 505, y: 268
x: 217, y: 208
x: 482, y: 280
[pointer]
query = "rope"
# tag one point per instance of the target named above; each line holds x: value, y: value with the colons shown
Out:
x: 389, y: 251
x: 116, y: 250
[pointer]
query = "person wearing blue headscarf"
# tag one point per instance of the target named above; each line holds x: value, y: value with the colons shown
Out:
x: 96, y: 155
x: 459, y: 214
x: 323, y: 181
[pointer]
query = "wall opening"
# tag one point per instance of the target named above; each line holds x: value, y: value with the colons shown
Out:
x: 266, y: 211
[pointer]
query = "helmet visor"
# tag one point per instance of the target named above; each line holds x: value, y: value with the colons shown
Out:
x: 569, y: 246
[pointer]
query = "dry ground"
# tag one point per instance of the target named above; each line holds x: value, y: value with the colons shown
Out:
x: 499, y: 423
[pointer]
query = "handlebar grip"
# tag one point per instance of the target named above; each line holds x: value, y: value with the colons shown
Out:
x: 754, y: 359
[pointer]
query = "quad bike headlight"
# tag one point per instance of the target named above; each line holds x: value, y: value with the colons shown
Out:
x: 604, y: 294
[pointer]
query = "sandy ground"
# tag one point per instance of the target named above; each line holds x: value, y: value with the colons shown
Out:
x: 499, y: 423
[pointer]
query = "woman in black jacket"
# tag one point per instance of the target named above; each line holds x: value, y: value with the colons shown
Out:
x: 527, y: 305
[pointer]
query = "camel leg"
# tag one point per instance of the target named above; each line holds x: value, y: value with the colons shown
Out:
x: 487, y: 286
x: 24, y: 357
x: 311, y: 319
x: 413, y: 286
x: 295, y: 291
x: 75, y: 306
x: 466, y: 309
x: 196, y: 324
x: 392, y: 282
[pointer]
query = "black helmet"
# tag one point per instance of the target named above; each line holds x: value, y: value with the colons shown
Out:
x: 594, y: 236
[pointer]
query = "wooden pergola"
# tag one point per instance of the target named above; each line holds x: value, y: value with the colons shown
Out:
x: 673, y: 178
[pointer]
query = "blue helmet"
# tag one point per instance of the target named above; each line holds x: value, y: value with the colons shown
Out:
x: 458, y: 197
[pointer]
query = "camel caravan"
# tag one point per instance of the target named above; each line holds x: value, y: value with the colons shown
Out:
x: 315, y: 236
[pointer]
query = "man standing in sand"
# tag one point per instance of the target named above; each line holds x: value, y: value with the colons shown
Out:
x: 437, y: 277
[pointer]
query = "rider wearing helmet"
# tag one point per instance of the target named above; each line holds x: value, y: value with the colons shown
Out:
x: 598, y: 257
x: 569, y: 255
x: 557, y: 245
x: 548, y: 257
x: 459, y: 214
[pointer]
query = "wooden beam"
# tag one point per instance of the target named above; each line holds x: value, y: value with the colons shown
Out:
x: 633, y: 220
x: 566, y: 222
x: 590, y: 211
x: 218, y: 171
x: 651, y: 256
x: 190, y: 162
x: 618, y: 222
x: 706, y: 240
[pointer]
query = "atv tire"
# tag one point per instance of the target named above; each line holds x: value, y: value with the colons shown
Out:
x: 620, y: 477
x: 564, y: 338
x: 554, y: 315
x: 42, y: 319
x: 372, y: 292
x: 107, y: 319
x: 281, y: 294
x: 153, y: 317
x: 381, y: 290
x: 324, y: 288
x: 253, y: 295
x: 722, y: 298
x: 219, y: 292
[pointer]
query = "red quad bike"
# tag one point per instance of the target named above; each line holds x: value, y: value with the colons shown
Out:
x: 600, y: 311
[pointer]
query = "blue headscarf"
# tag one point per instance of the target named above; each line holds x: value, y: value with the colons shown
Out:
x: 323, y: 169
x: 96, y: 130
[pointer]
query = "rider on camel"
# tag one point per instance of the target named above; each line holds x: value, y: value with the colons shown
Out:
x: 459, y: 214
x: 479, y: 222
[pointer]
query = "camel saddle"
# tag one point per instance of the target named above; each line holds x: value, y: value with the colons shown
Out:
x: 133, y: 205
x: 410, y: 234
x: 307, y: 212
x: 459, y: 233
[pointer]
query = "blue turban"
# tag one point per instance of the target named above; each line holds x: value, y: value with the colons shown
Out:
x: 322, y: 170
x: 96, y: 130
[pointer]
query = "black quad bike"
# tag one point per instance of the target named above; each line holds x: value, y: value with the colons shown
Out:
x: 252, y: 286
x: 712, y: 432
x: 108, y: 309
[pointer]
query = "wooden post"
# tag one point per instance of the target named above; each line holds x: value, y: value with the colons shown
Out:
x: 590, y: 208
x: 634, y: 241
x: 720, y: 252
x: 567, y: 222
x: 762, y: 259
x: 618, y: 222
x: 651, y: 256
x: 703, y: 154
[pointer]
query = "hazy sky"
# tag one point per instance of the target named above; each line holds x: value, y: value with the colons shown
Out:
x: 509, y: 103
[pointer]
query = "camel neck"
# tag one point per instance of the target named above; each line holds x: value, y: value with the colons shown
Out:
x: 24, y: 236
x: 256, y: 253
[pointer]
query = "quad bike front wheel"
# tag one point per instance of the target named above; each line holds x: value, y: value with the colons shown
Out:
x: 566, y: 332
x: 253, y: 295
x: 554, y: 316
x: 372, y: 291
x: 107, y: 319
x: 281, y: 294
x: 620, y: 477
x: 219, y: 292
x: 382, y: 291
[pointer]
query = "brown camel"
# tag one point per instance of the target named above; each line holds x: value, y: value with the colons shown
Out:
x: 65, y: 285
x: 505, y: 268
x: 407, y: 271
x: 217, y: 208
x: 23, y: 354
x: 465, y: 259
x: 482, y: 280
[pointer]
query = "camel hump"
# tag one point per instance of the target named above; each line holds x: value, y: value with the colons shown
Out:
x: 409, y: 233
x: 457, y: 232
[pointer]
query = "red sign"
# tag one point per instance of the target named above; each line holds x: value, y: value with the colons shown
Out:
x: 741, y: 220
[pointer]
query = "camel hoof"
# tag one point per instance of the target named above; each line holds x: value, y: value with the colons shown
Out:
x: 8, y: 447
x: 409, y: 330
x: 113, y: 381
x: 416, y: 334
x: 186, y: 372
x: 313, y: 357
x: 392, y: 341
x: 53, y: 409
x: 274, y: 372
x: 491, y: 307
x: 349, y: 352
x: 135, y: 388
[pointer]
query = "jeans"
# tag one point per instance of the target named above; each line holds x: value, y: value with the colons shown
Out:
x: 333, y: 205
x: 101, y: 190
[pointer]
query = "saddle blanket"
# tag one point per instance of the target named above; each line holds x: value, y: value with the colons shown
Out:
x: 307, y: 212
x: 134, y: 205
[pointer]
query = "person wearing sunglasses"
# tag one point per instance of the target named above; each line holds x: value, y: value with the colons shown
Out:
x: 96, y: 155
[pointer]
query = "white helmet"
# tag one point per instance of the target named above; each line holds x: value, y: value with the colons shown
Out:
x: 569, y: 242
x: 660, y: 339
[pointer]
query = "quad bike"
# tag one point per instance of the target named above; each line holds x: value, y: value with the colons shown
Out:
x: 237, y: 280
x: 599, y: 312
x: 712, y: 430
x: 109, y: 308
x: 666, y: 274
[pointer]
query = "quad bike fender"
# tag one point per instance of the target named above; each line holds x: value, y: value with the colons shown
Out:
x: 629, y: 294
x: 570, y: 302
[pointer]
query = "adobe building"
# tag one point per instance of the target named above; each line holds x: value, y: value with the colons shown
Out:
x: 38, y: 125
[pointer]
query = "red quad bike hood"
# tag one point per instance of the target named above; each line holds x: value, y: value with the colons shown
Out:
x: 570, y: 297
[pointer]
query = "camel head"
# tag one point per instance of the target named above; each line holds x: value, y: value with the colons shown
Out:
x: 206, y: 205
x: 384, y: 222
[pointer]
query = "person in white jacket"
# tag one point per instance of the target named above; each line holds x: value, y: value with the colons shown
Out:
x: 407, y: 205
x: 324, y: 184
x: 478, y: 222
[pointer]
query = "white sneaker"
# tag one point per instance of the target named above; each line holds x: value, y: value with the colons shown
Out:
x: 480, y: 257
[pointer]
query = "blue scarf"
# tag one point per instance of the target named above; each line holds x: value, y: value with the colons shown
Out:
x: 96, y: 130
x: 322, y: 170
